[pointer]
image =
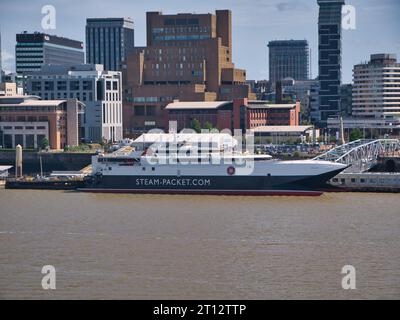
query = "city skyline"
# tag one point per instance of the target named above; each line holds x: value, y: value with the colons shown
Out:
x: 250, y: 49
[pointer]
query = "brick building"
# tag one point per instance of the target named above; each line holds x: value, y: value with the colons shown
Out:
x: 261, y: 113
x: 236, y: 114
x: 27, y: 120
x: 188, y: 57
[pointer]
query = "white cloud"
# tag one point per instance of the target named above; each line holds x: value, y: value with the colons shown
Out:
x: 8, y: 61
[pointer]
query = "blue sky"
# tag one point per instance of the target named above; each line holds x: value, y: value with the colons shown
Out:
x: 255, y: 22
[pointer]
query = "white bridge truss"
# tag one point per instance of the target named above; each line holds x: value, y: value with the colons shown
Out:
x: 361, y: 154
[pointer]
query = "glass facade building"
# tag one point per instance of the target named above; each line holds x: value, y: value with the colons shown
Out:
x: 288, y: 59
x: 36, y: 49
x: 1, y: 65
x: 329, y: 63
x: 108, y: 41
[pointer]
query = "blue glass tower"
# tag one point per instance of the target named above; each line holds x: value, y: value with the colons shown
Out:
x: 329, y: 49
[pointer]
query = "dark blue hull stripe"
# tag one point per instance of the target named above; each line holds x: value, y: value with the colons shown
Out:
x: 227, y: 183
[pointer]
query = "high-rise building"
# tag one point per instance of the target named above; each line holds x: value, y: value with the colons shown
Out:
x: 376, y: 89
x: 99, y: 90
x: 36, y: 49
x: 108, y: 41
x: 314, y: 102
x: 330, y: 49
x: 1, y: 60
x: 346, y: 99
x: 188, y: 57
x: 375, y: 97
x: 288, y: 59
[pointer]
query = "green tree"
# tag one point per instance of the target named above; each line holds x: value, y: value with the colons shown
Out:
x: 196, y: 125
x: 356, y: 134
x: 44, y: 143
x: 268, y: 140
x: 208, y: 126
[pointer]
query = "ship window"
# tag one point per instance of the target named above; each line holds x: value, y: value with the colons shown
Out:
x: 268, y: 174
x: 335, y: 180
x: 362, y: 180
x: 353, y: 180
x: 153, y: 169
x: 143, y: 168
x: 109, y: 168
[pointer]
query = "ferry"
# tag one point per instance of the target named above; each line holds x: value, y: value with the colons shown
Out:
x: 215, y: 173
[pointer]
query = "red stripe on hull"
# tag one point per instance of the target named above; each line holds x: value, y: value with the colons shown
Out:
x: 210, y: 192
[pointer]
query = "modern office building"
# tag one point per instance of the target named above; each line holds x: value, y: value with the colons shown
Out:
x: 346, y: 100
x: 376, y: 89
x: 314, y: 114
x: 36, y: 49
x: 109, y: 41
x: 329, y: 61
x: 288, y: 58
x: 1, y: 62
x: 99, y: 90
x: 375, y: 96
x: 188, y: 57
x: 27, y: 120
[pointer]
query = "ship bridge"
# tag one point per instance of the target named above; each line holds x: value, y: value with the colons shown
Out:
x: 361, y: 154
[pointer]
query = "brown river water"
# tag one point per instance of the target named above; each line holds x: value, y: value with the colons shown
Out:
x: 198, y: 247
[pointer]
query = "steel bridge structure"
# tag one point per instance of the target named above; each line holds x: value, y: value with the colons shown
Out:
x: 361, y: 154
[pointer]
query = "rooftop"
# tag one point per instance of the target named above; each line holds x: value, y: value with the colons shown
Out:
x: 52, y: 69
x: 183, y: 137
x: 42, y: 103
x: 288, y: 43
x: 181, y: 105
x: 39, y: 37
x: 281, y: 129
x: 262, y: 104
x: 20, y: 101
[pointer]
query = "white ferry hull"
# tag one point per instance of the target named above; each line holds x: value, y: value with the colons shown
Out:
x: 270, y: 178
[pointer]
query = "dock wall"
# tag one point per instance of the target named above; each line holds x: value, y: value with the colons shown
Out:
x: 51, y: 161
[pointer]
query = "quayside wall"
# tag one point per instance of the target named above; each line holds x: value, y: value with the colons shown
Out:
x: 51, y: 161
